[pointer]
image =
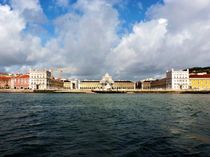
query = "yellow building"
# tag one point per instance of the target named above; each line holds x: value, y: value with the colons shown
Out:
x: 90, y: 84
x: 123, y: 85
x: 200, y: 81
x: 67, y: 84
x: 106, y: 83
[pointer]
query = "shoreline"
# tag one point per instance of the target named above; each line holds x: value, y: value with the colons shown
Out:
x: 136, y: 91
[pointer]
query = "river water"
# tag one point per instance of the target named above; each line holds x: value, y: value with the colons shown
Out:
x: 104, y: 125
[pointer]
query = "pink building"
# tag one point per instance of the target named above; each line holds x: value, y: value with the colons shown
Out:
x: 20, y: 81
x: 4, y: 81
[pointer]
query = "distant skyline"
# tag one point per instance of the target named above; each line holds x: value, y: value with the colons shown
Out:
x: 129, y: 39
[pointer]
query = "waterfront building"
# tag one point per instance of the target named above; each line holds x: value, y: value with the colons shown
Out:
x: 43, y: 79
x: 200, y: 81
x: 158, y: 84
x: 55, y: 83
x: 177, y: 79
x: 138, y: 84
x: 67, y: 84
x: 124, y: 84
x: 71, y: 84
x: 75, y: 84
x: 39, y: 79
x: 90, y: 84
x: 146, y: 84
x: 20, y: 81
x: 4, y: 81
x: 106, y: 83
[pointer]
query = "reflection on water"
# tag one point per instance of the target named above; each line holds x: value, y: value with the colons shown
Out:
x: 104, y: 125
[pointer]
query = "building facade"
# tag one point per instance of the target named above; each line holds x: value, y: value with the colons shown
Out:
x: 39, y: 79
x: 158, y: 84
x: 138, y: 84
x: 20, y: 81
x: 200, y: 81
x: 75, y: 84
x: 106, y: 83
x: 55, y: 83
x: 5, y: 82
x: 67, y: 84
x: 146, y: 84
x: 42, y: 80
x: 177, y: 79
x: 123, y: 85
x: 90, y: 84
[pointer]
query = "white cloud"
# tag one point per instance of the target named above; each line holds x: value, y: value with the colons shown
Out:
x: 32, y: 12
x: 10, y: 37
x: 139, y: 50
x: 62, y: 3
x: 16, y: 47
x: 22, y: 5
x: 88, y: 37
x: 177, y: 35
x: 174, y: 34
x: 81, y: 44
x: 181, y: 13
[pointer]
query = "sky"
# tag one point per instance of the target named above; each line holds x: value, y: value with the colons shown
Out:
x: 129, y: 39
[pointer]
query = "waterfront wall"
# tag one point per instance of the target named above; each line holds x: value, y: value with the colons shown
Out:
x: 131, y: 91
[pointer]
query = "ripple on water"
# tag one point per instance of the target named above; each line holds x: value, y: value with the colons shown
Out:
x: 104, y: 125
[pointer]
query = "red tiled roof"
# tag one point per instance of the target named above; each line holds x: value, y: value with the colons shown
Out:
x: 200, y: 76
x: 22, y: 76
x: 5, y: 77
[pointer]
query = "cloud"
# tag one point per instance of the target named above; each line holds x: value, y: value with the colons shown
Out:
x: 181, y: 13
x: 10, y: 26
x: 33, y: 14
x: 138, y: 52
x: 81, y: 43
x: 30, y: 10
x: 22, y: 5
x: 87, y: 35
x: 176, y: 34
x: 17, y: 47
x: 62, y: 3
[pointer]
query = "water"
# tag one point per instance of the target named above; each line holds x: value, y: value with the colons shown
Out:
x: 104, y: 125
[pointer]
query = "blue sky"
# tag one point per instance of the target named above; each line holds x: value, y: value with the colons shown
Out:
x: 133, y: 11
x: 130, y: 39
x: 130, y: 12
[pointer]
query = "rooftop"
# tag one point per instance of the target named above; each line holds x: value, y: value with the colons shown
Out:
x: 200, y: 76
x: 22, y: 76
x: 5, y: 77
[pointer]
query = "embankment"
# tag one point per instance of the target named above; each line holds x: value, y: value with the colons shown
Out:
x: 77, y: 91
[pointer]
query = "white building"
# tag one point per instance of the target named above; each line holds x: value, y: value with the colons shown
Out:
x: 43, y: 79
x: 107, y: 82
x: 39, y: 79
x: 177, y: 79
x: 75, y: 84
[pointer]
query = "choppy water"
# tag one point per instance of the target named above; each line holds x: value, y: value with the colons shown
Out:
x: 104, y: 125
